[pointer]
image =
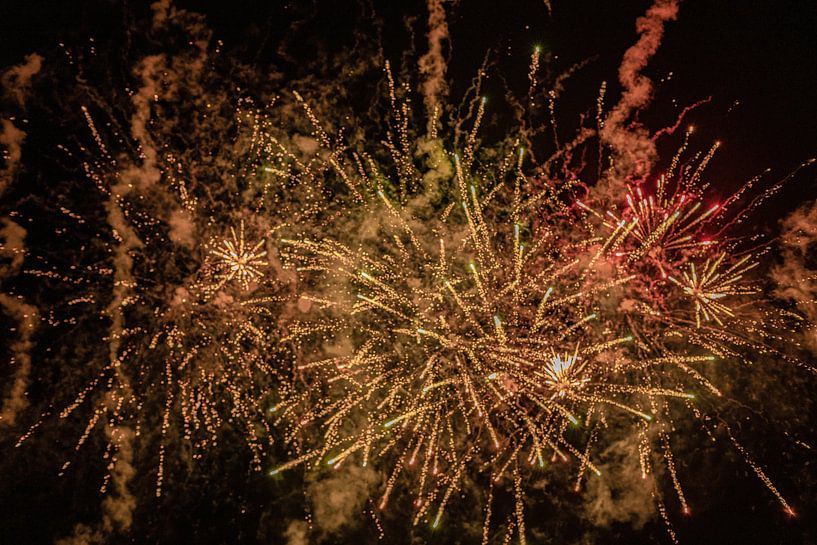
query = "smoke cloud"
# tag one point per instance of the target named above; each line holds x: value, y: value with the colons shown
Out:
x: 633, y: 149
x: 297, y: 533
x: 26, y: 317
x: 17, y: 80
x: 621, y: 494
x: 11, y: 138
x: 16, y: 83
x: 796, y: 277
x: 338, y: 501
x: 432, y: 65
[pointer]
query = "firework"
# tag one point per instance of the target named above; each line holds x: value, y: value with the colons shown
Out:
x: 488, y: 335
x: 239, y: 261
x: 468, y: 313
x: 196, y: 299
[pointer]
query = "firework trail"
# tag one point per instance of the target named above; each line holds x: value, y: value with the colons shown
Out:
x: 634, y: 151
x: 16, y: 83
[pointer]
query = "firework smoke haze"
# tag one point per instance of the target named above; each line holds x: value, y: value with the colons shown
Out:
x: 16, y: 84
x: 296, y: 281
x: 432, y: 66
x: 26, y: 317
x: 796, y: 277
x: 633, y: 149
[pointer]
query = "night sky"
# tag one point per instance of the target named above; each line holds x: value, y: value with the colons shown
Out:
x: 754, y: 63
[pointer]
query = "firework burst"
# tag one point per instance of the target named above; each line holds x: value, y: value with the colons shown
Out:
x: 196, y: 299
x: 511, y: 326
x: 239, y: 261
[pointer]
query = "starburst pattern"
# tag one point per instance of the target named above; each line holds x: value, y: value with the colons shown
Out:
x: 239, y: 260
x: 712, y: 283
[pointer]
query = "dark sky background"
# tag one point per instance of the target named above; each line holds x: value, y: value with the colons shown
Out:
x: 756, y: 59
x: 760, y: 53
